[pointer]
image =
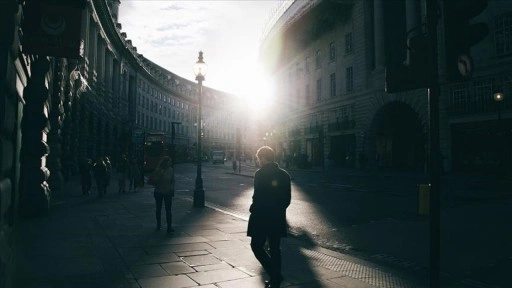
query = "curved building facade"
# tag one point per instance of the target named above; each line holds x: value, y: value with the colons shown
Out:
x: 77, y: 91
x: 329, y: 59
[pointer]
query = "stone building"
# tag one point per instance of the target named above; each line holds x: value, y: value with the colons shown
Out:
x: 75, y: 91
x: 330, y: 58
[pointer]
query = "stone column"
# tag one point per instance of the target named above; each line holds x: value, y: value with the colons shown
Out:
x: 378, y: 34
x: 412, y: 16
x: 35, y: 192
x: 91, y: 136
x: 10, y: 135
x: 73, y: 133
x: 54, y: 159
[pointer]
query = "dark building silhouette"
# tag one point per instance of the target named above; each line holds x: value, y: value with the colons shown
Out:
x: 76, y: 91
x: 329, y: 60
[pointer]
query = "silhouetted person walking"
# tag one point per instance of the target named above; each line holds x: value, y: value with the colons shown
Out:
x: 108, y: 167
x: 100, y: 175
x: 133, y: 172
x: 122, y: 167
x: 85, y: 175
x: 163, y: 180
x: 272, y: 195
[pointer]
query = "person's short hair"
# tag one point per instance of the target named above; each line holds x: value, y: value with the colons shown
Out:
x: 267, y: 153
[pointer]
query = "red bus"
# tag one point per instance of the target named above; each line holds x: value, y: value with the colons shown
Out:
x: 155, y: 147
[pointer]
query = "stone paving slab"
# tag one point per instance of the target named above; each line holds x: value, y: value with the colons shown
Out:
x: 227, y: 244
x: 252, y: 282
x: 146, y: 271
x: 219, y: 266
x: 175, y: 268
x: 201, y: 260
x: 116, y: 245
x: 192, y: 253
x: 177, y: 240
x: 177, y: 248
x: 158, y: 258
x: 215, y: 276
x: 179, y: 281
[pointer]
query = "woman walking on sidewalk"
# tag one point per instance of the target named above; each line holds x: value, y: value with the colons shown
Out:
x: 163, y: 180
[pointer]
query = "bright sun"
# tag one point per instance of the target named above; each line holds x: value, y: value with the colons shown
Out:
x: 256, y: 92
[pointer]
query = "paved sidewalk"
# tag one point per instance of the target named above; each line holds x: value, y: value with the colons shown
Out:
x: 112, y: 242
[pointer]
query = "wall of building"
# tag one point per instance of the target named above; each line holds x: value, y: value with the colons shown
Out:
x: 57, y: 110
x: 360, y: 123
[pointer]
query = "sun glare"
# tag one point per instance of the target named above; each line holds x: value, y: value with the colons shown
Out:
x: 256, y: 93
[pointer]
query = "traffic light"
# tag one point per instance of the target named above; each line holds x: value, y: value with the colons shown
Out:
x: 414, y: 71
x: 460, y: 35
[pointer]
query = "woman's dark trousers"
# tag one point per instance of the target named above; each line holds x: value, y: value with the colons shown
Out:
x: 167, y: 199
x: 271, y: 263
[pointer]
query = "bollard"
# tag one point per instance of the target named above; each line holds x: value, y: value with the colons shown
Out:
x: 423, y: 199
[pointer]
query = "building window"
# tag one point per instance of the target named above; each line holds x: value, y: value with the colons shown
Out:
x: 459, y: 97
x: 348, y: 42
x: 503, y: 33
x: 318, y: 59
x: 318, y: 89
x: 333, y: 84
x: 350, y: 79
x: 332, y: 51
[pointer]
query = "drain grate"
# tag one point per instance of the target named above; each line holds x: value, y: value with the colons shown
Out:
x: 366, y: 274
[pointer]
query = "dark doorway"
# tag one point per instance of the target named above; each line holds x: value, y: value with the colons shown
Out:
x: 343, y: 150
x: 398, y: 137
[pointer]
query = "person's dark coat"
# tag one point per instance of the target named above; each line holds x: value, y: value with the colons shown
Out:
x: 272, y: 195
x: 100, y: 173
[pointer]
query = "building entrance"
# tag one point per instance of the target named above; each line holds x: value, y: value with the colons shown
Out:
x: 399, y: 139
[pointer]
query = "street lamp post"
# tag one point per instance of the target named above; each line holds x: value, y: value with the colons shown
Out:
x: 200, y: 70
x: 498, y: 97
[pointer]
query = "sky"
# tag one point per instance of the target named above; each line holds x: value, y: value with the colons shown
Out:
x: 171, y: 33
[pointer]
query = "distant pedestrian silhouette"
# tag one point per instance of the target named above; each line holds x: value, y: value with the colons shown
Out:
x: 163, y: 180
x: 122, y: 167
x: 100, y: 175
x: 108, y: 167
x: 272, y: 195
x: 133, y: 172
x: 234, y: 165
x: 85, y: 175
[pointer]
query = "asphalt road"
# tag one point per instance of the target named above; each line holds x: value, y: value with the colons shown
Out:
x: 323, y: 208
x: 373, y: 218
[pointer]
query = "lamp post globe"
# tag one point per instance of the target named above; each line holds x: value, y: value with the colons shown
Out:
x: 498, y: 98
x: 200, y: 70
